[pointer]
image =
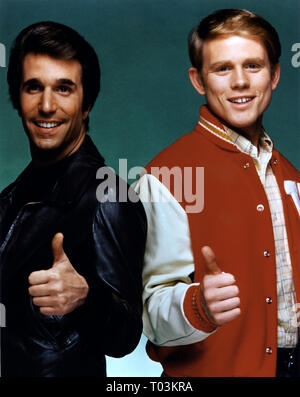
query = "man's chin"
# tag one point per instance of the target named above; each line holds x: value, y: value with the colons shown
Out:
x: 45, y: 152
x: 44, y: 143
x: 242, y: 123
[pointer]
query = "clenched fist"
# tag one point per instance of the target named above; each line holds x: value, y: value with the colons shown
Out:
x: 219, y: 294
x: 61, y: 289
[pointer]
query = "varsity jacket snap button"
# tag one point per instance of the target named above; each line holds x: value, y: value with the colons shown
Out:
x: 268, y: 350
x: 267, y: 254
x: 275, y: 161
x: 269, y: 300
x: 246, y: 165
x: 260, y: 208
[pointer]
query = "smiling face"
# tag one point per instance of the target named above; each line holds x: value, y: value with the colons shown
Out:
x: 51, y: 96
x: 237, y: 80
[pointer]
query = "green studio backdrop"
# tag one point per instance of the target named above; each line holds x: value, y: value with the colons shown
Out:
x: 146, y: 101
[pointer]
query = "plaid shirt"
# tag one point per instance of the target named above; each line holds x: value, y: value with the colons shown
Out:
x: 287, y: 335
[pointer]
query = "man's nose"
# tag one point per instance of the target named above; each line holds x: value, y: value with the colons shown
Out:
x: 47, y: 102
x: 240, y: 79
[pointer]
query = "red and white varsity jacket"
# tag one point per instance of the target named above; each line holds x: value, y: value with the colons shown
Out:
x: 235, y: 222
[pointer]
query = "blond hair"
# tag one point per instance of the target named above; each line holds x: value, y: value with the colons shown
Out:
x: 236, y: 22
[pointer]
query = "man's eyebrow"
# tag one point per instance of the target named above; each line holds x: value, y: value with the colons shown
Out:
x: 66, y: 82
x: 255, y: 60
x: 216, y: 65
x: 31, y: 82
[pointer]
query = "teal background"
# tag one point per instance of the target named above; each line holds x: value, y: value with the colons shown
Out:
x: 146, y: 101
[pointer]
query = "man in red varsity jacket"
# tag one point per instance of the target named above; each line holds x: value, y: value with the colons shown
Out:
x: 222, y: 264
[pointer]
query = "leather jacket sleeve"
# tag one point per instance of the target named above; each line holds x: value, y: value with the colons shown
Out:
x: 113, y: 309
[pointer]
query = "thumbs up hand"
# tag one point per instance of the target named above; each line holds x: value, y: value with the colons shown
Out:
x: 219, y: 294
x: 59, y: 290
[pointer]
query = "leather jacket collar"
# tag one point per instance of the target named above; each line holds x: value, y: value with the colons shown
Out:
x: 75, y: 176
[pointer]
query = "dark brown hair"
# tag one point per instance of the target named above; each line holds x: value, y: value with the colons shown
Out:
x: 61, y: 42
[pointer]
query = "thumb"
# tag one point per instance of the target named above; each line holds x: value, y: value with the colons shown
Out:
x: 57, y: 248
x: 211, y: 266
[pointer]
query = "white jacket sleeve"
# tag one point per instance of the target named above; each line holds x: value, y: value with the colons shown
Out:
x: 168, y: 266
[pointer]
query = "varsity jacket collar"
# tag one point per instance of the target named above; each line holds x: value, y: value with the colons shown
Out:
x: 215, y: 131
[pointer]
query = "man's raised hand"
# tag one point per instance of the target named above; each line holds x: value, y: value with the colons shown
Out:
x: 59, y: 290
x: 219, y: 294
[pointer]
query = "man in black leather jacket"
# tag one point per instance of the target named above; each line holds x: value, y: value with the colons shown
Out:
x: 70, y: 262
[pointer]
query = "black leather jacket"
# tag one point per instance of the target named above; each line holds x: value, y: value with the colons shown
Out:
x: 105, y: 243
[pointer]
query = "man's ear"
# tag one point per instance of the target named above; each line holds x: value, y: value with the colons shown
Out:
x: 275, y: 75
x: 86, y: 112
x: 196, y: 81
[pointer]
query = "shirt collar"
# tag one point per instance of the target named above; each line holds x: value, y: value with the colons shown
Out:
x: 245, y: 146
